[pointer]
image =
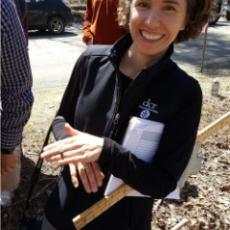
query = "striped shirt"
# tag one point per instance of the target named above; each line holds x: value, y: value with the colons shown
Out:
x: 16, y: 78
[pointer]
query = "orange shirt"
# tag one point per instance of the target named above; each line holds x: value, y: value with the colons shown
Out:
x: 100, y: 22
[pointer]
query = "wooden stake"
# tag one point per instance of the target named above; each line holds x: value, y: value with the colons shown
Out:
x: 213, y: 127
x: 101, y: 206
x: 204, y: 47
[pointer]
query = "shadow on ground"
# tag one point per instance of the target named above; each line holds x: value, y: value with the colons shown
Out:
x: 36, y: 34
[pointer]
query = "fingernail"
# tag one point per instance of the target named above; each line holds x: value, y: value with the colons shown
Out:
x: 95, y: 190
x: 75, y: 185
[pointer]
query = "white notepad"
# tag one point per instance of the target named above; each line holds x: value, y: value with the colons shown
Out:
x: 142, y: 139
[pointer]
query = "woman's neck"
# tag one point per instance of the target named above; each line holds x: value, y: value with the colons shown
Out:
x: 133, y: 62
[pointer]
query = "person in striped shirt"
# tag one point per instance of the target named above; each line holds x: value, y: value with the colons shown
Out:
x: 16, y: 97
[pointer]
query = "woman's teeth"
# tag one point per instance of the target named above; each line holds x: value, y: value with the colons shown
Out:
x: 152, y: 37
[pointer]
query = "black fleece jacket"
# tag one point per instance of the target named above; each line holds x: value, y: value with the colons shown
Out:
x: 93, y: 103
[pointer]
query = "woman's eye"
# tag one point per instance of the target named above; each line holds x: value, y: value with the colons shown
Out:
x: 170, y: 8
x: 142, y: 4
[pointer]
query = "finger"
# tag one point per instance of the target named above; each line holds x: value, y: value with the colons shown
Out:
x: 74, y: 159
x: 99, y: 175
x: 70, y: 131
x: 58, y: 150
x: 56, y: 144
x: 66, y: 155
x: 51, y: 152
x: 91, y: 177
x: 81, y: 156
x: 84, y: 178
x: 73, y: 174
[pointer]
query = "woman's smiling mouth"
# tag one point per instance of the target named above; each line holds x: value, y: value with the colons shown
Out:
x: 151, y: 36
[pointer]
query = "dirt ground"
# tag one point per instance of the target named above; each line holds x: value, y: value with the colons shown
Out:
x: 205, y: 198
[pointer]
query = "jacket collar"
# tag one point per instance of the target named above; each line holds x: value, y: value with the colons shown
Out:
x: 120, y: 47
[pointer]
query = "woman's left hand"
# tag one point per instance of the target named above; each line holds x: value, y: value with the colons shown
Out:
x: 90, y: 175
x: 82, y: 147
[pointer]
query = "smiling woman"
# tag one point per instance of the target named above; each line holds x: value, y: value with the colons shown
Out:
x: 154, y: 25
x: 197, y: 14
x: 133, y: 79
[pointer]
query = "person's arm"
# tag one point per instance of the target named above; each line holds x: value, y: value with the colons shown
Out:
x: 70, y: 97
x: 89, y: 174
x: 16, y: 93
x: 87, y: 34
x: 159, y: 177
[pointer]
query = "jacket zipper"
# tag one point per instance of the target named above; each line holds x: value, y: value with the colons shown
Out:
x: 116, y: 115
x: 115, y: 125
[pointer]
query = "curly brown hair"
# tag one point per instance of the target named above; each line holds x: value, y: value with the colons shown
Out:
x: 197, y: 15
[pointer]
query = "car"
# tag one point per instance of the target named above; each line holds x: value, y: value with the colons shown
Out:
x: 51, y: 15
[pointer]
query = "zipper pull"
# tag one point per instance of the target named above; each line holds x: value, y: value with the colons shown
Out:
x: 116, y: 119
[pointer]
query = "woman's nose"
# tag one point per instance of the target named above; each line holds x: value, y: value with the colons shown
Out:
x: 152, y: 18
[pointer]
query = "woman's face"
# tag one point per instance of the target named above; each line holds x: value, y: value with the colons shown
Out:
x: 155, y: 24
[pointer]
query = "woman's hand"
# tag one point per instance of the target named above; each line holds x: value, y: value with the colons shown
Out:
x: 82, y: 147
x: 89, y: 173
x: 8, y: 162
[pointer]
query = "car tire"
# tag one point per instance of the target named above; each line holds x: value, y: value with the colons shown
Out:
x: 56, y: 25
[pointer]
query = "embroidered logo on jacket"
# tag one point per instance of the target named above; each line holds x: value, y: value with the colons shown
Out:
x: 147, y: 107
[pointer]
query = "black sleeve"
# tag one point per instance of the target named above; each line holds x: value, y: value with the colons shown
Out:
x: 69, y: 100
x: 159, y: 177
